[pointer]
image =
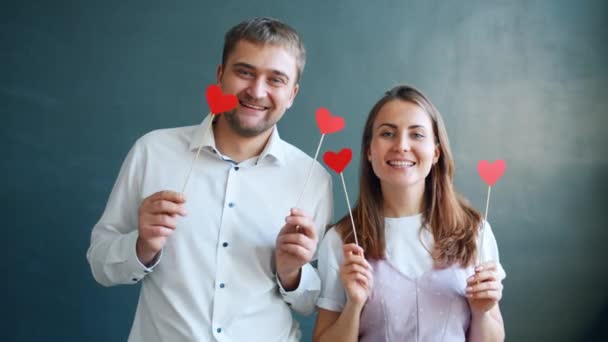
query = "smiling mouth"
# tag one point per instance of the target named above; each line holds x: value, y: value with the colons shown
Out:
x: 252, y: 106
x: 400, y: 163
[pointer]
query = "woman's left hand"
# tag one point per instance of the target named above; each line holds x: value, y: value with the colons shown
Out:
x: 484, y: 289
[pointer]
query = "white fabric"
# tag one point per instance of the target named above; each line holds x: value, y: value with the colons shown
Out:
x: 199, y: 289
x: 404, y: 251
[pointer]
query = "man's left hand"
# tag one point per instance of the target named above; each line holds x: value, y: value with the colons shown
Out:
x: 295, y: 246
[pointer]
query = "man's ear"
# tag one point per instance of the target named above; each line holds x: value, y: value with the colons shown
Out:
x: 219, y: 73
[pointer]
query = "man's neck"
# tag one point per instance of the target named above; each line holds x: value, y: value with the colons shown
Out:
x: 235, y: 146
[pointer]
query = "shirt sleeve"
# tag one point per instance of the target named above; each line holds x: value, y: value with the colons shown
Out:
x: 304, y: 297
x: 111, y: 254
x: 333, y: 295
x: 490, y: 250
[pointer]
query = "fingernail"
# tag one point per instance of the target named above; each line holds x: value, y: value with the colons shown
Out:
x: 478, y: 268
x: 468, y: 289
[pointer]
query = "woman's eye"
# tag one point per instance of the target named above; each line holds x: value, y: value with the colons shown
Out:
x: 417, y: 135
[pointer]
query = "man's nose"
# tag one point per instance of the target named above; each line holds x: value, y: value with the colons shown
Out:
x: 257, y: 88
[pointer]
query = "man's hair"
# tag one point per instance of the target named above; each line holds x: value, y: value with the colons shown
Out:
x: 265, y: 30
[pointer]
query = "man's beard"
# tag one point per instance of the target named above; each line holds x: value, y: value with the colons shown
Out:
x: 235, y: 123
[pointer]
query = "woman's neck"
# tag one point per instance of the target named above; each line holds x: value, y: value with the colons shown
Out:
x: 400, y: 201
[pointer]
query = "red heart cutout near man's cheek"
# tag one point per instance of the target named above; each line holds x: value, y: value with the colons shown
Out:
x: 218, y: 102
x: 328, y: 123
x: 338, y: 161
x: 491, y: 172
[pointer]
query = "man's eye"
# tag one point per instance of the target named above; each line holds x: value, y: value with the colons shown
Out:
x: 244, y: 73
x: 276, y: 80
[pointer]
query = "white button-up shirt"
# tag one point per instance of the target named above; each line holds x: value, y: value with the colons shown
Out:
x: 215, y: 277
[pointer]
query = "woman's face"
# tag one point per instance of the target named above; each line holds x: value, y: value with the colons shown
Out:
x: 402, y: 149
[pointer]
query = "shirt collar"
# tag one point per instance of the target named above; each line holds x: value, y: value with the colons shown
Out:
x: 274, y: 150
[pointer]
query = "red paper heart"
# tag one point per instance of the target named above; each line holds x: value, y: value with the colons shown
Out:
x: 218, y: 102
x: 491, y: 172
x: 328, y: 123
x: 338, y: 161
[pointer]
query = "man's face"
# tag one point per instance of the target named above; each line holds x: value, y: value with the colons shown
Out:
x: 263, y: 77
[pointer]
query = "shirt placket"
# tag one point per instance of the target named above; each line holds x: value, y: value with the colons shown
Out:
x: 222, y: 286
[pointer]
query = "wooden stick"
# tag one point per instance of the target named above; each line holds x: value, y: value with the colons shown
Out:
x: 196, y: 156
x: 483, y: 228
x: 350, y: 211
x: 312, y: 164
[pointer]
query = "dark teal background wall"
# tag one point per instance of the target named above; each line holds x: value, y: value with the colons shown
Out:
x: 524, y: 81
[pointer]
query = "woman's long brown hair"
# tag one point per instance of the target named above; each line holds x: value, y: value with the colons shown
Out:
x: 453, y: 222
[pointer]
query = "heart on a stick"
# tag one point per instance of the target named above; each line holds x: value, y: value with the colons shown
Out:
x: 328, y: 123
x: 218, y: 101
x: 491, y: 172
x: 338, y: 161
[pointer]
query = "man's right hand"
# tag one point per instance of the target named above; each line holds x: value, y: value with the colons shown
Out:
x: 157, y: 221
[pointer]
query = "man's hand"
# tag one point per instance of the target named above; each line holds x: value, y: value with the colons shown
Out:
x: 157, y: 221
x: 295, y: 246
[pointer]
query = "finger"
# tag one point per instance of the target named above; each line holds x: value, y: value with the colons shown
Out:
x: 159, y: 220
x: 298, y: 212
x: 297, y: 251
x: 493, y: 286
x: 362, y: 280
x: 150, y: 232
x: 490, y: 294
x: 352, y: 248
x: 358, y: 260
x: 489, y: 265
x: 352, y: 278
x: 167, y: 207
x: 167, y: 196
x: 304, y: 225
x: 298, y: 239
x: 359, y: 269
x: 483, y: 276
x: 352, y: 267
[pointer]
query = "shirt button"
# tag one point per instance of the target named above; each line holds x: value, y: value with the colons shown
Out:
x: 134, y: 279
x: 219, y: 330
x: 236, y: 168
x: 222, y: 285
x: 231, y: 204
x: 225, y: 244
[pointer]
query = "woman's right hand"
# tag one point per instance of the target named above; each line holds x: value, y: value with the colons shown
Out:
x: 356, y: 275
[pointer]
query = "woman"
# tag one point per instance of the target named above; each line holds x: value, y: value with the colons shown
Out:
x: 412, y: 277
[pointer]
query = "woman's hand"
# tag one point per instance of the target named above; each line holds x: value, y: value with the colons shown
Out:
x: 356, y: 275
x: 484, y: 289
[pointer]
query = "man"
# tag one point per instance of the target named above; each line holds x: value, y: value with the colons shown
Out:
x: 221, y: 262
